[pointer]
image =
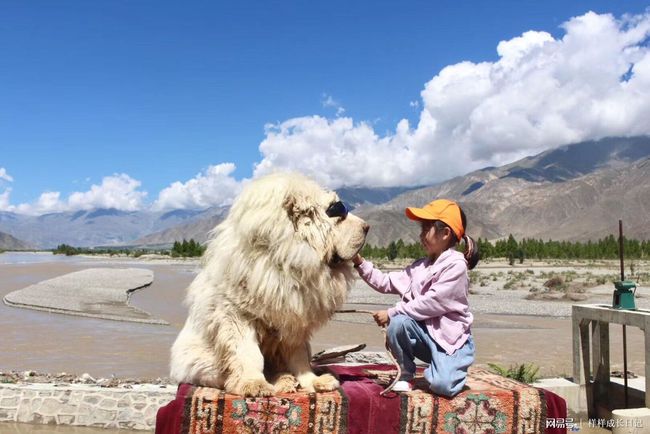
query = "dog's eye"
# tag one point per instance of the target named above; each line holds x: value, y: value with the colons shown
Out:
x: 337, y: 209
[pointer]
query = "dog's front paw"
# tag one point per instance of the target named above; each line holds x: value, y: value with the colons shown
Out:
x: 325, y: 383
x: 285, y: 383
x: 256, y: 388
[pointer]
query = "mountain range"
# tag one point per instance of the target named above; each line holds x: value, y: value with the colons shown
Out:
x: 7, y: 242
x: 98, y: 227
x: 575, y: 192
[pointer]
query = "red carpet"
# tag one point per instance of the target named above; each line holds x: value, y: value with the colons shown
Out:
x: 488, y: 404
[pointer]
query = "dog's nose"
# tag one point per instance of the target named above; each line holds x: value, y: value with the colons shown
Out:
x: 366, y: 228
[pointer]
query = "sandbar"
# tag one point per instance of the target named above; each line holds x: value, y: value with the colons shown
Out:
x: 94, y: 292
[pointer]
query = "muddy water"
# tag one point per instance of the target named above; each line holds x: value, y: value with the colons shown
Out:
x: 48, y: 342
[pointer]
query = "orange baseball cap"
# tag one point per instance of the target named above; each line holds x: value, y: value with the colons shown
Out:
x: 444, y: 210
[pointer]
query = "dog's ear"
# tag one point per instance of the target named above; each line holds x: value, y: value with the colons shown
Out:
x: 297, y: 209
x: 290, y: 205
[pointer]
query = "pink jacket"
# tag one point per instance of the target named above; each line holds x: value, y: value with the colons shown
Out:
x: 435, y: 293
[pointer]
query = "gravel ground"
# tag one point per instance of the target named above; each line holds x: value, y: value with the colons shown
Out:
x: 63, y: 378
x: 528, y: 280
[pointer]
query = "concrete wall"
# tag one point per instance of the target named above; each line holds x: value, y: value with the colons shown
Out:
x: 84, y: 405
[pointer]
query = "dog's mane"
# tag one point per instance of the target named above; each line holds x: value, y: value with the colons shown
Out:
x: 272, y: 250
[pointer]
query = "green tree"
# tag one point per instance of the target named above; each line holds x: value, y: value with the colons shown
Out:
x: 392, y: 251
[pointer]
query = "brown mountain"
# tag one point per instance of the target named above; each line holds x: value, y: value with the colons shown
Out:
x: 7, y: 242
x: 197, y: 230
x: 577, y: 192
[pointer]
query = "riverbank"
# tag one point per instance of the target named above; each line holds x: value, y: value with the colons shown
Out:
x: 509, y: 328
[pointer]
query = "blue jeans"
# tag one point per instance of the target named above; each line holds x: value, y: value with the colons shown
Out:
x: 446, y: 373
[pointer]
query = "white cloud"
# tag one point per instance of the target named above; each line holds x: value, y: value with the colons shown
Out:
x: 4, y: 195
x: 330, y: 102
x: 4, y: 175
x: 4, y: 200
x: 214, y: 187
x: 540, y: 93
x: 47, y: 202
x: 335, y: 152
x: 118, y: 191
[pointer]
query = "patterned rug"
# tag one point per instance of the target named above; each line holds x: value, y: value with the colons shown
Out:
x: 488, y: 404
x: 211, y: 411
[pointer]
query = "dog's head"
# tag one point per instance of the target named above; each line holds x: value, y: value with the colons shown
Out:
x: 296, y: 223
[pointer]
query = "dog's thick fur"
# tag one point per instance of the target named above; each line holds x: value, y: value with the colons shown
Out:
x: 274, y: 271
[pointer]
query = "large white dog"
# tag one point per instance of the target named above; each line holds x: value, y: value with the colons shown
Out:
x: 274, y: 271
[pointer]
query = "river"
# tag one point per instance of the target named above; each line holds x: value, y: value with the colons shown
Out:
x: 49, y: 342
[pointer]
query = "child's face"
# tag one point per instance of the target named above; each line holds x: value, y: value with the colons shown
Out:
x: 434, y: 241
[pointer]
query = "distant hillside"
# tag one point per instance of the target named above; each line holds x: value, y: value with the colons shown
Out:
x: 7, y: 242
x: 358, y: 196
x: 576, y: 192
x: 97, y: 227
x: 197, y: 230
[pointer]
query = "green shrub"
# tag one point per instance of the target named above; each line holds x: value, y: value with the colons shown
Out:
x: 556, y: 283
x: 524, y: 373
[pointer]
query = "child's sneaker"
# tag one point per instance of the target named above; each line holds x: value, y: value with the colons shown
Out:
x: 402, y: 386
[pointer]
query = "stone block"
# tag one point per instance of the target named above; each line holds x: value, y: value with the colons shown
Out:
x: 125, y: 415
x: 104, y: 416
x: 24, y: 414
x: 65, y: 419
x: 35, y: 403
x: 108, y: 403
x: 50, y: 407
x: 574, y: 394
x: 67, y: 409
x: 91, y: 399
x: 75, y: 399
x: 9, y: 402
x: 84, y: 419
x: 7, y: 415
x: 85, y: 409
x: 62, y: 397
x: 141, y: 426
x: 124, y: 402
x: 631, y: 421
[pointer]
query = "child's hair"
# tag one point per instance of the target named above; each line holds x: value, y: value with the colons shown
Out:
x: 471, y: 252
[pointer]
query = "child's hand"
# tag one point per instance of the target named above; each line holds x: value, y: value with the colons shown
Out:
x: 357, y: 260
x: 381, y: 317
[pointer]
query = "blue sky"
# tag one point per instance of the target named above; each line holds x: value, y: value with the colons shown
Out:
x: 134, y: 103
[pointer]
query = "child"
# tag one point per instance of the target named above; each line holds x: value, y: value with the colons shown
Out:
x: 432, y: 321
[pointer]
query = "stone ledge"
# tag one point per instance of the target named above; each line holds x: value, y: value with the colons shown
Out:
x: 132, y: 408
x: 575, y: 394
